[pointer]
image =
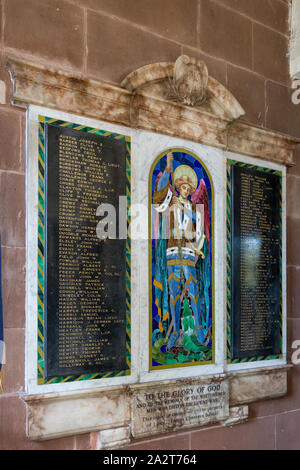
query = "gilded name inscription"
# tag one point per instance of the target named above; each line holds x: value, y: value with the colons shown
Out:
x: 256, y: 262
x: 86, y: 318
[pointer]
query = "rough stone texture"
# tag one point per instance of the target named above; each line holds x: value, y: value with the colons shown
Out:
x: 293, y: 237
x: 293, y: 306
x: 13, y: 424
x: 253, y: 435
x: 116, y: 39
x: 10, y: 130
x: 225, y: 34
x: 281, y: 114
x: 113, y: 438
x: 148, y: 105
x: 51, y: 416
x: 295, y: 171
x: 12, y: 213
x: 288, y: 403
x: 241, y: 83
x: 14, y: 368
x: 257, y: 385
x: 273, y: 14
x: 293, y: 203
x: 216, y: 68
x: 237, y: 415
x: 270, y: 51
x: 170, y: 18
x: 179, y: 441
x: 42, y: 39
x: 13, y: 284
x: 287, y: 427
x: 52, y: 29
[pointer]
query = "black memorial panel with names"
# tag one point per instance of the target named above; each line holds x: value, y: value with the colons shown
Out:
x: 85, y: 295
x: 255, y: 263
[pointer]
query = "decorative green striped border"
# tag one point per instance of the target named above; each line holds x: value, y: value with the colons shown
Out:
x: 228, y: 267
x: 41, y: 250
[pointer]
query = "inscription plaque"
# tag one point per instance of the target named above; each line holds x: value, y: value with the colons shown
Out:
x: 255, y: 262
x: 85, y: 285
x: 169, y: 407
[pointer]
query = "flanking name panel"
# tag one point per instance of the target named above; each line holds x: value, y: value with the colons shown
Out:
x: 85, y: 286
x: 254, y: 284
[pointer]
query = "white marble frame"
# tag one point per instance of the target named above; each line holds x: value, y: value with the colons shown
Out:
x: 146, y: 146
x: 282, y: 168
x: 151, y: 145
x: 32, y: 386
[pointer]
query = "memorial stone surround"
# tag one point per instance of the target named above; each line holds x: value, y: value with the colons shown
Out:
x: 98, y: 333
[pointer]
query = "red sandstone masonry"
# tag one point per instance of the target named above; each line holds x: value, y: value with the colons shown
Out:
x: 13, y: 283
x: 273, y: 14
x: 179, y: 441
x: 116, y: 48
x: 281, y: 114
x: 244, y: 84
x: 83, y: 442
x: 253, y: 435
x: 293, y: 203
x: 217, y: 68
x: 12, y: 428
x: 10, y: 132
x: 293, y: 237
x: 173, y: 19
x: 295, y: 170
x: 270, y: 52
x: 293, y: 291
x: 225, y: 34
x: 275, y: 407
x: 52, y: 29
x: 15, y: 360
x: 288, y: 431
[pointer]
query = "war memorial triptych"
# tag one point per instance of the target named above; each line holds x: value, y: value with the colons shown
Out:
x: 84, y: 257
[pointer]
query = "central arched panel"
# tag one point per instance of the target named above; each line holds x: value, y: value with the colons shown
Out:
x: 181, y: 294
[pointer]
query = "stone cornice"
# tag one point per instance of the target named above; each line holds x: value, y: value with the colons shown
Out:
x: 144, y: 105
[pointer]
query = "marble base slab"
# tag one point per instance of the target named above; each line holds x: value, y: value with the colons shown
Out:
x: 151, y: 408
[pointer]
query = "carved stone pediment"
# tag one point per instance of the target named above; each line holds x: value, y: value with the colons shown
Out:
x: 186, y: 81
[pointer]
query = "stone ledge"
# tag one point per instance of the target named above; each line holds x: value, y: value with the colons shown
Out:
x: 51, y: 416
x: 54, y: 415
x: 237, y: 415
x: 113, y: 438
x: 35, y: 84
x: 258, y: 384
